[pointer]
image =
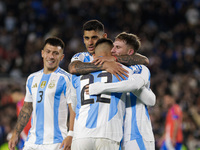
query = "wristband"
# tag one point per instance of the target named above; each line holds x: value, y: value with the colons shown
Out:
x: 115, y: 58
x: 70, y: 133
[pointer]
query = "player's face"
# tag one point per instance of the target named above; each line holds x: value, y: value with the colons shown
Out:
x: 120, y: 48
x: 90, y: 38
x: 52, y: 55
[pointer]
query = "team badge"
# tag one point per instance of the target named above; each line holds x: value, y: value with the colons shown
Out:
x: 52, y: 84
x: 43, y: 84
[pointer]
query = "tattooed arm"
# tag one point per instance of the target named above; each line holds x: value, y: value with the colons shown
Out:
x: 22, y: 120
x: 133, y: 59
x: 78, y: 67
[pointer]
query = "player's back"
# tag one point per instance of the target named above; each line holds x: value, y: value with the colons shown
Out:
x: 101, y: 115
x: 137, y: 122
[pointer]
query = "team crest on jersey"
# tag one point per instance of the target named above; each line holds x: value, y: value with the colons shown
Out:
x: 42, y: 85
x: 35, y: 85
x: 52, y: 84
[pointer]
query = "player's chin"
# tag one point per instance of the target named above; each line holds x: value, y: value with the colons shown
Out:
x: 91, y: 51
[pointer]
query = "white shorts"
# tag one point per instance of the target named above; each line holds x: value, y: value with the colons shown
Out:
x: 29, y: 146
x: 94, y: 143
x: 139, y: 144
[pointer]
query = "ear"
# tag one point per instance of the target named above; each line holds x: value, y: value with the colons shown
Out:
x: 42, y: 53
x: 130, y: 52
x: 105, y: 35
x: 63, y: 55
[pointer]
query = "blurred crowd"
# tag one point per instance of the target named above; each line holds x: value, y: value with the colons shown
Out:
x: 169, y: 32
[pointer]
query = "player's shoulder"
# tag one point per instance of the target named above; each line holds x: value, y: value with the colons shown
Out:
x: 139, y: 68
x: 35, y: 74
x: 64, y: 73
x: 81, y: 54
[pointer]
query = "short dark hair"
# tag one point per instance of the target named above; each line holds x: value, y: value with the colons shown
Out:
x: 93, y: 25
x: 54, y: 41
x: 130, y: 39
x: 104, y: 40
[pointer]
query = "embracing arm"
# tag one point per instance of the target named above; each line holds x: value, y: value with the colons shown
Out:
x: 133, y: 59
x: 135, y: 86
x: 22, y: 120
x: 78, y: 67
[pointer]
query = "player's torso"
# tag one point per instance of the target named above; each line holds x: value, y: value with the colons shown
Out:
x: 101, y: 115
x: 50, y: 112
x: 137, y: 123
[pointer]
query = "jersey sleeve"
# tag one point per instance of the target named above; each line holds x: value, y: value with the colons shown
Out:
x: 141, y: 71
x: 79, y: 57
x: 68, y: 87
x: 28, y: 96
x: 146, y: 96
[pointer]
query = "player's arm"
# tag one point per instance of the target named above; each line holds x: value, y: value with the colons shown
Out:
x: 78, y: 67
x: 127, y: 60
x: 22, y: 120
x: 135, y: 86
x: 133, y: 59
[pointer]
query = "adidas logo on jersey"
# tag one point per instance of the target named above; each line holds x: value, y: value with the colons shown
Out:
x: 35, y: 85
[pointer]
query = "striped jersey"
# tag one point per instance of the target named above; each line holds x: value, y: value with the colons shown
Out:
x: 83, y: 56
x: 98, y: 116
x: 137, y: 122
x: 49, y: 94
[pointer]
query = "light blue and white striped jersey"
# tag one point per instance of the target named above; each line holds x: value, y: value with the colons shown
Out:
x: 83, y: 56
x: 137, y: 122
x: 49, y: 94
x: 99, y: 116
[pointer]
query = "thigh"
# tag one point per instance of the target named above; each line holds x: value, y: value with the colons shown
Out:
x: 106, y: 144
x: 83, y: 144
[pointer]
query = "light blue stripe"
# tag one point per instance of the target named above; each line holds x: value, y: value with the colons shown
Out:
x: 91, y: 121
x: 113, y: 105
x: 76, y: 79
x: 30, y: 129
x: 135, y: 133
x: 147, y: 113
x: 140, y: 143
x: 40, y: 110
x: 29, y: 84
x: 115, y: 97
x: 59, y: 89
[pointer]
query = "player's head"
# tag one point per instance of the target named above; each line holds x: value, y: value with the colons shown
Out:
x: 93, y: 30
x: 168, y: 99
x: 52, y: 54
x: 126, y: 44
x: 103, y: 47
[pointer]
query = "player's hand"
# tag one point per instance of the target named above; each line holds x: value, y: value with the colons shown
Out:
x: 116, y: 69
x: 87, y: 89
x: 13, y: 141
x: 66, y: 143
x: 101, y: 60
